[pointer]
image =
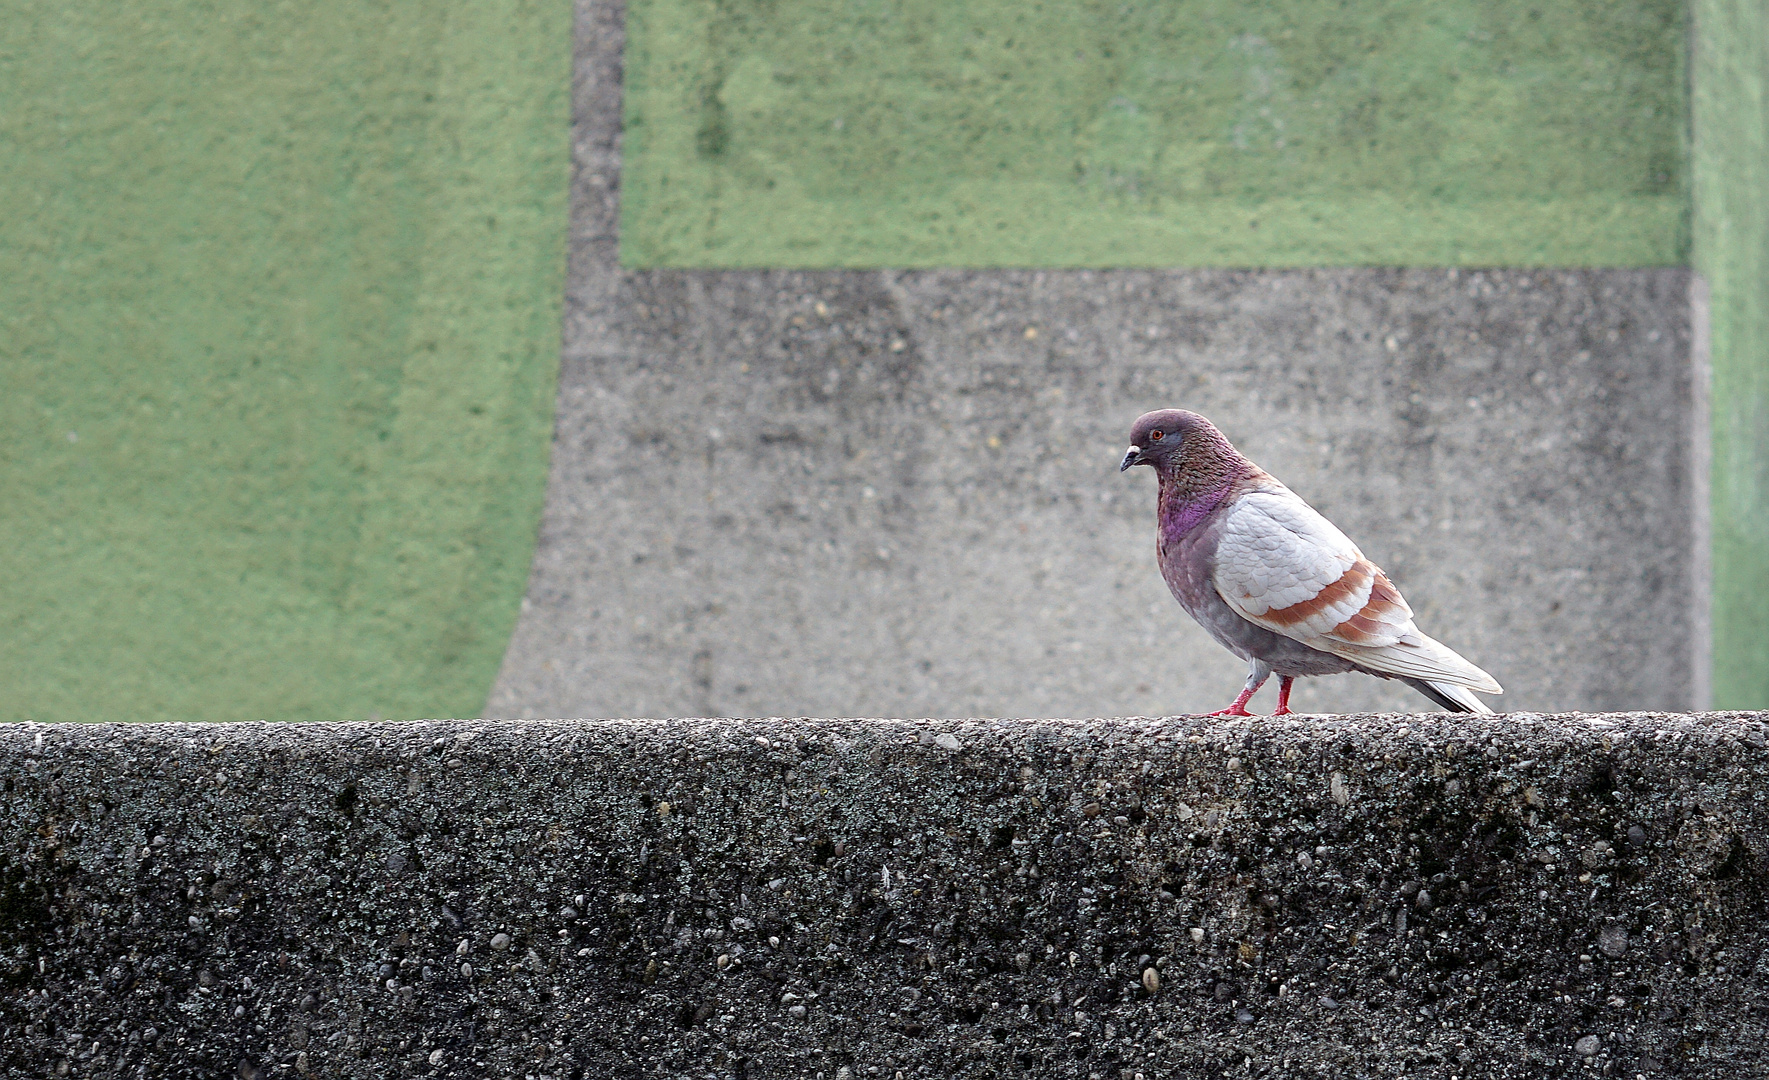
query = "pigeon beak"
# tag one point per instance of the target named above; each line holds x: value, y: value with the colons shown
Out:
x: 1133, y: 456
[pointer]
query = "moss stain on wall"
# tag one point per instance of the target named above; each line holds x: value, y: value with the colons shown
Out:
x: 1732, y: 250
x: 278, y: 347
x: 818, y: 133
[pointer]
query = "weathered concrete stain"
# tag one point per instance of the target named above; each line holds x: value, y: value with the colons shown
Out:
x: 1370, y: 895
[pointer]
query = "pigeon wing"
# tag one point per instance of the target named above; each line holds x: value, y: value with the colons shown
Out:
x: 1282, y: 566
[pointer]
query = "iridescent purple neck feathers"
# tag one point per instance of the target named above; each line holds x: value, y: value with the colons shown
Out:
x: 1181, y: 512
x: 1205, y: 473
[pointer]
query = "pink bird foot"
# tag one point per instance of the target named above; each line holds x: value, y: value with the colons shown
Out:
x: 1239, y: 708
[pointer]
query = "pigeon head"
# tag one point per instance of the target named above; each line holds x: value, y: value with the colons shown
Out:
x: 1166, y: 438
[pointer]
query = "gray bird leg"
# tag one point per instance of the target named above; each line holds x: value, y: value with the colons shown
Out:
x: 1257, y: 673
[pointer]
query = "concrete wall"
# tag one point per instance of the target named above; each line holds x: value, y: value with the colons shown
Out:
x: 874, y: 492
x: 1537, y: 896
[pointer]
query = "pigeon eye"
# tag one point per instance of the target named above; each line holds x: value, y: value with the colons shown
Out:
x: 1155, y: 436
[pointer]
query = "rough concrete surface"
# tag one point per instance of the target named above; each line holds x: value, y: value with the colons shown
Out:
x: 1359, y: 896
x: 877, y: 492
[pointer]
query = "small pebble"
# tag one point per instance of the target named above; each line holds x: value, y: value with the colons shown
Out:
x: 947, y: 741
x: 436, y: 1058
x: 1197, y: 933
x: 797, y: 1012
x: 1151, y: 981
x: 1613, y: 940
x: 1636, y: 837
x: 1589, y: 1045
x: 500, y: 941
x: 466, y: 971
x: 461, y: 949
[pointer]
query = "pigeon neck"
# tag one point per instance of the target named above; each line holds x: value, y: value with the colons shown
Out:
x: 1190, y: 493
x: 1183, y: 508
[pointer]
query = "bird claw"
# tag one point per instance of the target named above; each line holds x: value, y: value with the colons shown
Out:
x: 1282, y: 710
x: 1232, y: 710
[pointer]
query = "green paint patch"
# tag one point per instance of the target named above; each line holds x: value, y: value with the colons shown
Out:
x: 1732, y: 251
x: 829, y: 133
x: 278, y: 344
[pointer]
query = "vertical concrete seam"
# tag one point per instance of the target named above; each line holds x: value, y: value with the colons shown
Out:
x: 1701, y: 571
x: 592, y: 270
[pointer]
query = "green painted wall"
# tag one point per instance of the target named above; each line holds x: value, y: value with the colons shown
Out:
x: 1202, y: 132
x: 1732, y: 250
x: 279, y: 320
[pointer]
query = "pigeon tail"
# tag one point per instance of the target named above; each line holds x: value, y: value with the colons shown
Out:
x: 1450, y: 697
x: 1415, y: 656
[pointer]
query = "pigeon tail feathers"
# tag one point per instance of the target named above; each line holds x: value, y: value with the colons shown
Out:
x: 1450, y: 697
x: 1416, y: 656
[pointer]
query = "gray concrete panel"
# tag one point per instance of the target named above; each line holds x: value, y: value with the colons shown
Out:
x: 1361, y: 896
x: 878, y: 492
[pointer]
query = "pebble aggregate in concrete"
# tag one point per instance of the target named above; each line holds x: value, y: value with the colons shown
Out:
x: 1369, y: 896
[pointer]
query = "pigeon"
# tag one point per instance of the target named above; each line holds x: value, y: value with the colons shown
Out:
x: 1276, y: 583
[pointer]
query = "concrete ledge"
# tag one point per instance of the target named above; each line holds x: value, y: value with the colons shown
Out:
x: 1313, y: 896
